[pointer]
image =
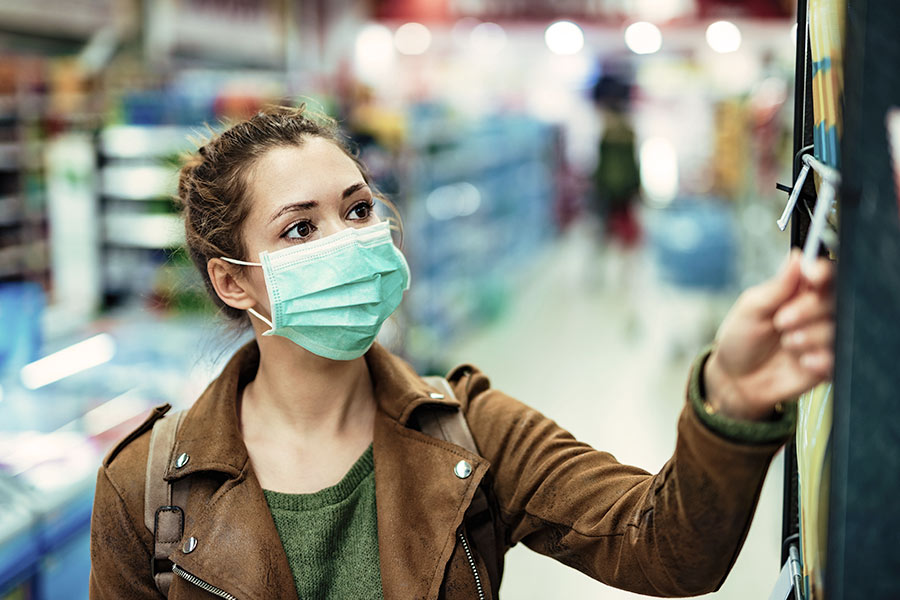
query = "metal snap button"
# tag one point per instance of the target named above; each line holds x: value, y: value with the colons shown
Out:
x: 190, y: 545
x: 182, y: 460
x: 462, y: 469
x: 436, y: 396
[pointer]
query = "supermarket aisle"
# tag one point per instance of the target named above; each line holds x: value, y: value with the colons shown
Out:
x: 606, y: 365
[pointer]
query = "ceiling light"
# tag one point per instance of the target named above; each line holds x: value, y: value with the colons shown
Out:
x: 412, y: 39
x: 643, y: 38
x: 564, y: 37
x: 723, y: 37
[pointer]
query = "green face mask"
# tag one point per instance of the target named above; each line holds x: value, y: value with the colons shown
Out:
x: 332, y: 295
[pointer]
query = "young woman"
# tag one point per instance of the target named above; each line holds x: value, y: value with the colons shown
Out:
x: 308, y: 475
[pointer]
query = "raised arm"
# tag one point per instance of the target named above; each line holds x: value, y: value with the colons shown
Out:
x: 676, y: 533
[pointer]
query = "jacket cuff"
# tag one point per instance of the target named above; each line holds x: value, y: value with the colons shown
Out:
x: 746, y: 432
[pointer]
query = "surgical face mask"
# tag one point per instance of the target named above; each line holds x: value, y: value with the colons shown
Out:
x: 332, y: 295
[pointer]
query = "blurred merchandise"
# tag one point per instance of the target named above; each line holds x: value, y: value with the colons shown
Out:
x: 216, y: 30
x: 731, y: 144
x: 814, y: 473
x: 826, y: 34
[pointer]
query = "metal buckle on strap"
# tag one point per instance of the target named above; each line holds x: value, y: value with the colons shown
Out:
x: 172, y: 529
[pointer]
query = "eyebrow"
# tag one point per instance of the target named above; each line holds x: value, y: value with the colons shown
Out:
x: 311, y: 204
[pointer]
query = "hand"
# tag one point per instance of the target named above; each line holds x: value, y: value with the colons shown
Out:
x: 775, y: 343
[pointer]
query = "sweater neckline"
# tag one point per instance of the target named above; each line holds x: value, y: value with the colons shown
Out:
x: 361, y: 469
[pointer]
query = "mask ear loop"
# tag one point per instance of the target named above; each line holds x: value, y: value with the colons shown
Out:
x: 235, y: 261
x: 261, y: 318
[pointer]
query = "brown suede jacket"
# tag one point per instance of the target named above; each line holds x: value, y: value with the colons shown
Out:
x: 676, y: 533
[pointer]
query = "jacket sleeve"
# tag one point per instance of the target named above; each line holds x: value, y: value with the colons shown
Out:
x: 676, y: 533
x: 120, y: 554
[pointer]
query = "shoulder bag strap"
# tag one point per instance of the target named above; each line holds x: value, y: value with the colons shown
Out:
x: 445, y: 424
x: 164, y: 501
x: 451, y: 426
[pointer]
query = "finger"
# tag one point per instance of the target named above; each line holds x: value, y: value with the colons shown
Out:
x: 771, y: 294
x: 821, y: 274
x: 805, y: 308
x: 820, y: 362
x: 815, y: 336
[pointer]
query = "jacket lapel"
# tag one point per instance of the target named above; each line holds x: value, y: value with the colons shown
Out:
x: 238, y: 549
x: 421, y: 503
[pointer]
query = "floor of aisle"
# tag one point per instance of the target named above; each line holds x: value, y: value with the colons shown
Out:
x: 607, y: 357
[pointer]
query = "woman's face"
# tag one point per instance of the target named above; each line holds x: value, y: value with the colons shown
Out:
x: 304, y: 193
x: 299, y: 194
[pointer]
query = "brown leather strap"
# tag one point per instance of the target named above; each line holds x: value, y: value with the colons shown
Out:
x: 451, y: 426
x: 444, y: 424
x: 164, y: 502
x: 162, y: 445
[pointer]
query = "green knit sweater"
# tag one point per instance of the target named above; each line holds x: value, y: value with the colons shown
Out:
x: 331, y: 536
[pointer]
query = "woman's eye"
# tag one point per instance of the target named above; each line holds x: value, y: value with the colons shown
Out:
x: 360, y: 212
x: 299, y: 231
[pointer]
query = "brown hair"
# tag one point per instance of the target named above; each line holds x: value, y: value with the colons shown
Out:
x: 212, y: 184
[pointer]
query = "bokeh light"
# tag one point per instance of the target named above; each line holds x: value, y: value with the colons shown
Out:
x: 643, y: 38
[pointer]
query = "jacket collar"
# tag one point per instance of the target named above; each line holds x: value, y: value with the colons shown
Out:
x: 210, y: 433
x: 420, y: 502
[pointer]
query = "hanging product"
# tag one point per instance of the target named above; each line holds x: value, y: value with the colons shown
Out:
x: 814, y: 468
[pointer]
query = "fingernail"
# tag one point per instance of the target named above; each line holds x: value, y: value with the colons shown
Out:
x: 784, y: 319
x: 794, y: 339
x: 811, y: 361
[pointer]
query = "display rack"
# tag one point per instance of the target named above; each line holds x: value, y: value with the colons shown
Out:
x: 861, y: 558
x: 24, y: 249
x: 801, y: 193
x: 140, y: 225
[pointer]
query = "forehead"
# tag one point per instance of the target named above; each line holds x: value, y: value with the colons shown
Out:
x: 317, y: 170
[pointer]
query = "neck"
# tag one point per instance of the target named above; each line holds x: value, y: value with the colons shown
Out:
x: 308, y: 396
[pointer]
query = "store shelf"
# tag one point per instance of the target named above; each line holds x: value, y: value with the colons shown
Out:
x: 10, y: 211
x: 148, y: 231
x: 57, y: 18
x: 136, y: 141
x: 10, y: 156
x: 138, y: 182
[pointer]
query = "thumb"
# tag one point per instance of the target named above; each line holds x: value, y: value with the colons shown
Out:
x: 779, y: 289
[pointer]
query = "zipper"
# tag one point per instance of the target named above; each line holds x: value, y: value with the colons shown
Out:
x: 201, y: 584
x: 471, y: 559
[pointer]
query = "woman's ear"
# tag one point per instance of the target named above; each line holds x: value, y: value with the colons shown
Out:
x: 230, y: 286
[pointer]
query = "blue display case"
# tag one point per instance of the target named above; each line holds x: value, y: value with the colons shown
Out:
x: 53, y: 438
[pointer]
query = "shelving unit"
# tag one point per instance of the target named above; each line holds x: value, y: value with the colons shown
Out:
x: 468, y: 235
x: 140, y: 226
x: 24, y: 248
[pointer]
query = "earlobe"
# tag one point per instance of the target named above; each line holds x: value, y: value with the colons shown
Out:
x: 229, y: 285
